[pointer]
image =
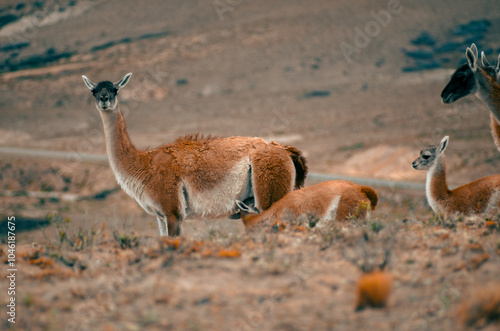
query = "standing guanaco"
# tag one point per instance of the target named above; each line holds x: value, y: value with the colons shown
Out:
x: 195, y: 176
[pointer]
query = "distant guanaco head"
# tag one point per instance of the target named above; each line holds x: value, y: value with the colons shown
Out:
x: 105, y: 93
x: 429, y: 154
x: 463, y: 82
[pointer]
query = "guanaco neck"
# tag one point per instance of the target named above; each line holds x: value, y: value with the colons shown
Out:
x: 495, y: 130
x: 436, y: 187
x: 124, y: 158
x: 489, y: 91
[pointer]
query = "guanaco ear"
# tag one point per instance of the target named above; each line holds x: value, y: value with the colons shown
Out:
x: 443, y: 144
x: 473, y: 47
x: 471, y: 58
x: 122, y: 82
x: 484, y: 61
x: 90, y: 84
x: 242, y: 206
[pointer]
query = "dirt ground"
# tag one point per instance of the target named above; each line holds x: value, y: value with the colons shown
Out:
x: 276, y: 70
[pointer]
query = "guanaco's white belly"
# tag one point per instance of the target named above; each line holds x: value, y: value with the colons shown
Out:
x: 331, y: 213
x: 221, y: 200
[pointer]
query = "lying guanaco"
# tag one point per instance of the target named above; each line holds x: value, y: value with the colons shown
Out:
x: 476, y: 198
x: 336, y: 200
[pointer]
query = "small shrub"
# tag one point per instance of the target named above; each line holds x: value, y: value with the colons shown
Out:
x: 376, y: 226
x: 84, y: 237
x: 278, y: 226
x: 28, y: 300
x: 230, y: 253
x: 374, y: 289
x: 127, y: 239
x: 360, y: 211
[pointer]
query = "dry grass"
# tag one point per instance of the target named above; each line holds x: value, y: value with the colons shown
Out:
x: 264, y: 278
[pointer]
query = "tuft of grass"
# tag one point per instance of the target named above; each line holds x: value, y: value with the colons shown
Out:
x: 376, y: 226
x: 278, y: 226
x: 148, y: 317
x: 85, y: 236
x: 358, y: 145
x: 128, y: 239
x: 28, y: 300
x: 312, y: 219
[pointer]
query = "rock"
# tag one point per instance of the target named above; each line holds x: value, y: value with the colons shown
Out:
x: 315, y: 94
x: 154, y: 35
x: 6, y: 19
x: 34, y: 61
x: 380, y: 62
x: 473, y: 27
x: 424, y: 39
x: 39, y: 4
x: 473, y: 39
x: 111, y: 44
x: 423, y: 65
x: 14, y: 46
x: 449, y: 46
x: 418, y: 54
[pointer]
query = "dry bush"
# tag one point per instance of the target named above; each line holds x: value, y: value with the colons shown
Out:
x: 126, y: 239
x: 370, y: 251
x: 230, y: 253
x: 374, y: 289
x: 77, y: 239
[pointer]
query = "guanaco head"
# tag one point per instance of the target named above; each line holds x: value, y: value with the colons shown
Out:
x: 463, y: 82
x: 429, y: 154
x: 105, y: 93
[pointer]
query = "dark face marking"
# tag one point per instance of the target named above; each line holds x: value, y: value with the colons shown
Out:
x: 105, y: 96
x: 426, y: 158
x: 105, y: 92
x: 461, y: 84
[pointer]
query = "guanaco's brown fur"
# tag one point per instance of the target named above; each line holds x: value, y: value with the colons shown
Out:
x: 328, y: 201
x: 195, y: 176
x: 478, y: 197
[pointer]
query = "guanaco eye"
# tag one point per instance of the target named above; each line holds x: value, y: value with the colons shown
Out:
x: 426, y: 156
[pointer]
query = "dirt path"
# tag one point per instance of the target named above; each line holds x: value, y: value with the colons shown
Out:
x: 313, y: 176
